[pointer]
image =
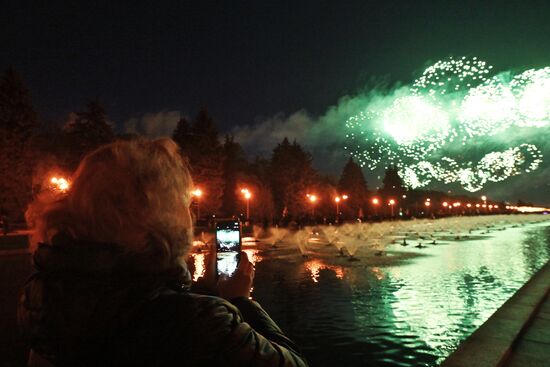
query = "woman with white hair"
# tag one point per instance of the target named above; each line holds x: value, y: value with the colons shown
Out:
x: 110, y: 285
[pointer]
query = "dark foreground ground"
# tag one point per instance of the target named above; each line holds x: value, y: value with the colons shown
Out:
x: 15, y: 267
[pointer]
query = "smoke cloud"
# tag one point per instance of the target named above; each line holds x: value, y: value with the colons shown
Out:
x: 154, y: 125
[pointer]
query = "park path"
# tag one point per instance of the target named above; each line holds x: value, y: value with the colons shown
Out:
x: 533, y: 348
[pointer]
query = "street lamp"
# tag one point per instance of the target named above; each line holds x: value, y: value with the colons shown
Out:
x: 247, y: 195
x: 391, y: 203
x: 375, y: 203
x: 197, y: 193
x: 312, y: 199
x: 337, y: 201
x: 484, y: 198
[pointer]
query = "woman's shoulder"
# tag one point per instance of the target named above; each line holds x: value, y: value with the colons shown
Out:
x: 198, y: 308
x: 191, y: 319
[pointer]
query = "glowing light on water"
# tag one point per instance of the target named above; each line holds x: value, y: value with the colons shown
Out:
x: 253, y: 255
x: 199, y: 265
x: 453, y: 111
x: 314, y: 267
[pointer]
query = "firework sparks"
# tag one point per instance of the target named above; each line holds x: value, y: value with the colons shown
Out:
x: 455, y: 98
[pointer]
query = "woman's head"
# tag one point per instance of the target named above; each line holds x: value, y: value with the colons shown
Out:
x: 134, y: 193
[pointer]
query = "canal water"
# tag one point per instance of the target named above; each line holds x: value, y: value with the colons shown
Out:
x: 411, y: 307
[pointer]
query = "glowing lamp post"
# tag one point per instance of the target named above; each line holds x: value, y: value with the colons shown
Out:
x: 337, y: 200
x: 312, y: 199
x: 391, y: 203
x: 484, y: 198
x: 375, y: 203
x: 197, y: 193
x: 247, y: 195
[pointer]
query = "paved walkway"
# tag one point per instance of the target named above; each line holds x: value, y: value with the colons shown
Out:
x: 517, y: 334
x: 533, y: 348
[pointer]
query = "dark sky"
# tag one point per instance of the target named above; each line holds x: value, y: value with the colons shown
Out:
x: 246, y: 60
x: 249, y: 61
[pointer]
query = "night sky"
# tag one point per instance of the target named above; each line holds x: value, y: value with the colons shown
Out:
x: 251, y: 62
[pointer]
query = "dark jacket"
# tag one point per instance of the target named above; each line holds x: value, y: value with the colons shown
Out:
x: 90, y: 304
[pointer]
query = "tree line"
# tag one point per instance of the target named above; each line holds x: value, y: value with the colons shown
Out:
x: 282, y: 186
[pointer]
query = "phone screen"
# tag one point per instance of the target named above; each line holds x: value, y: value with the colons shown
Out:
x: 228, y: 246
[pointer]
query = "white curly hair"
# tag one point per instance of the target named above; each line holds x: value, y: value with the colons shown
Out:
x: 133, y: 193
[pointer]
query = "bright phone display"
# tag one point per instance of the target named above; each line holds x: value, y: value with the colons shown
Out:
x: 228, y: 246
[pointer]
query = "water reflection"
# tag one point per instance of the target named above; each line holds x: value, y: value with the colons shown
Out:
x: 314, y: 267
x: 411, y: 313
x: 253, y: 255
x: 446, y: 296
x: 198, y: 262
x: 197, y: 258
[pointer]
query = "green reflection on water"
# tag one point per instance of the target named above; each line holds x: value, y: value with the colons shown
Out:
x: 438, y: 300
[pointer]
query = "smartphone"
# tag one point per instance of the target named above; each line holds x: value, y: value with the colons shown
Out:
x: 228, y: 246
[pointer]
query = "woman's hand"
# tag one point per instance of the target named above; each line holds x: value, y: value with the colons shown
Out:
x: 240, y: 283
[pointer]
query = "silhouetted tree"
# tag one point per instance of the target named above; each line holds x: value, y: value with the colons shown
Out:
x: 353, y: 183
x: 86, y: 131
x: 18, y: 123
x: 182, y: 133
x: 234, y: 166
x: 292, y: 174
x: 259, y: 177
x: 392, y: 185
x: 200, y: 143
